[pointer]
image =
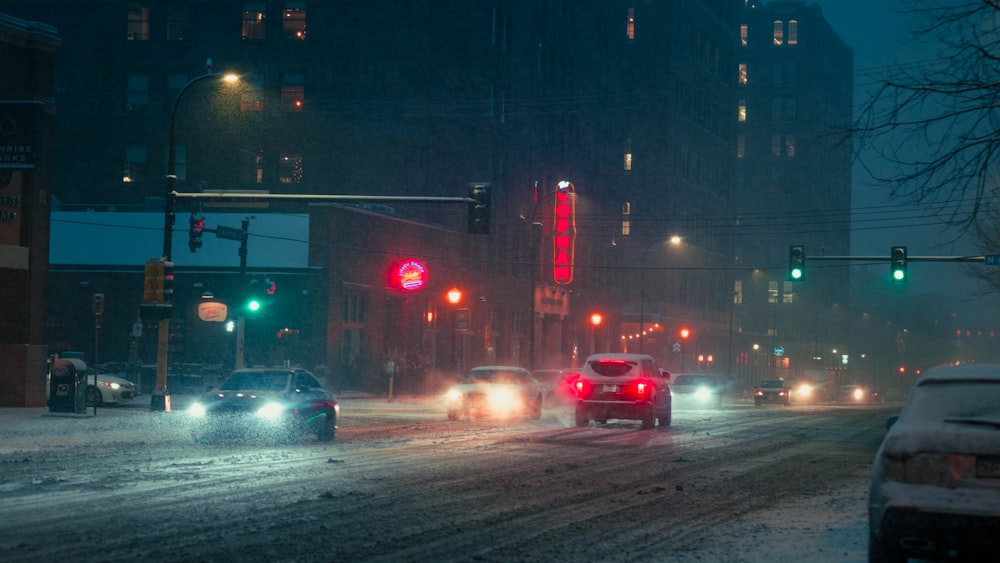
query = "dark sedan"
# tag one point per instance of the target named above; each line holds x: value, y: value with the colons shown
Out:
x: 280, y: 403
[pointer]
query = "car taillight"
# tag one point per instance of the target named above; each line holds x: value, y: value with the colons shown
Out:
x: 782, y: 393
x: 640, y: 388
x: 582, y: 387
x: 758, y: 393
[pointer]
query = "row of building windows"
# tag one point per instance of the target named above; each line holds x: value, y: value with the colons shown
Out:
x: 251, y: 172
x: 177, y: 20
x: 783, y: 33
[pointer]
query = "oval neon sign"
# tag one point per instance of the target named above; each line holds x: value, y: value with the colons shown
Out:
x: 411, y: 275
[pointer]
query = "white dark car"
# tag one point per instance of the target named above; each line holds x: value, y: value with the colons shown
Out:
x: 622, y: 386
x: 499, y: 391
x: 935, y: 484
x: 271, y: 403
x: 104, y: 389
x: 696, y: 390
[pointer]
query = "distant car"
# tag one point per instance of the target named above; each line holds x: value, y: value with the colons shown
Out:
x: 696, y: 390
x: 772, y: 391
x: 498, y: 391
x: 104, y: 389
x: 282, y: 403
x: 557, y: 384
x: 935, y: 482
x: 853, y: 394
x: 622, y: 386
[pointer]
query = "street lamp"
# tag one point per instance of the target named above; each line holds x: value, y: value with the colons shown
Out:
x: 595, y: 321
x: 160, y: 400
x: 674, y: 240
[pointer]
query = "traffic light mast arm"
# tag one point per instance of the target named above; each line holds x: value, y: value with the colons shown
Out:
x: 908, y: 258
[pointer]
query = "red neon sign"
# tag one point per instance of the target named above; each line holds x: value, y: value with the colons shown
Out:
x: 411, y: 275
x: 564, y: 234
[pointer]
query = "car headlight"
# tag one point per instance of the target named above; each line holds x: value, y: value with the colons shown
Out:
x: 703, y: 393
x: 503, y: 400
x: 858, y: 393
x: 270, y: 411
x: 196, y: 410
x: 453, y: 395
x: 805, y: 390
x: 115, y: 385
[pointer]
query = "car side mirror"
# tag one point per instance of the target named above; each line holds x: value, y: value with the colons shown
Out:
x: 665, y: 374
x: 892, y: 420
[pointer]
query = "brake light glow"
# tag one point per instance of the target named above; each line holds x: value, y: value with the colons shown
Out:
x: 582, y: 387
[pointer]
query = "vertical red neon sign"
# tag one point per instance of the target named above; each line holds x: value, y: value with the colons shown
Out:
x: 564, y: 234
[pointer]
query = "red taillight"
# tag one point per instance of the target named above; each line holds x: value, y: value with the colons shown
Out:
x: 640, y: 389
x: 758, y: 393
x: 782, y: 393
x: 581, y: 387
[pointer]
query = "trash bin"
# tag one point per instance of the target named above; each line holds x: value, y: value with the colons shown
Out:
x: 68, y: 386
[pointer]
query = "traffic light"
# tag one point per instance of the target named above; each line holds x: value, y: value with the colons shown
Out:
x: 197, y: 226
x: 684, y: 333
x: 897, y: 258
x: 479, y: 209
x: 254, y: 299
x: 168, y: 280
x: 796, y: 262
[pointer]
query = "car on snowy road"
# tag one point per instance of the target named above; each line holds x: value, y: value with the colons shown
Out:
x: 772, y: 391
x: 498, y: 391
x: 278, y: 403
x: 557, y: 384
x: 696, y: 390
x: 853, y: 394
x: 935, y: 482
x: 622, y: 386
x: 104, y: 389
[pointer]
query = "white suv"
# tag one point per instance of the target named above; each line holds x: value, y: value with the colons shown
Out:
x: 623, y: 386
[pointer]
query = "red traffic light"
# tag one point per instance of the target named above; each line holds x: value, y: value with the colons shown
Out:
x: 684, y: 333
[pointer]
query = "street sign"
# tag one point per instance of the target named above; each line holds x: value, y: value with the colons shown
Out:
x: 992, y: 259
x: 228, y: 233
x: 677, y: 347
x: 779, y: 351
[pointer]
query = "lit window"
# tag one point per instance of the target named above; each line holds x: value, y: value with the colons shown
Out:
x: 253, y: 20
x: 742, y: 115
x: 630, y: 24
x: 628, y: 154
x: 738, y: 292
x: 793, y: 32
x: 178, y: 21
x: 779, y: 32
x: 290, y: 169
x: 743, y: 35
x: 251, y: 167
x: 741, y: 145
x: 743, y: 74
x: 772, y: 291
x: 626, y: 219
x: 137, y: 28
x: 788, y: 295
x: 138, y: 91
x: 775, y: 145
x: 293, y: 20
x: 292, y: 91
x: 790, y: 145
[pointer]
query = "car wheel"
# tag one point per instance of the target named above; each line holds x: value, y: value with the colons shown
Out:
x: 649, y: 419
x: 536, y: 408
x: 327, y: 430
x: 582, y: 416
x: 94, y: 398
x: 665, y: 417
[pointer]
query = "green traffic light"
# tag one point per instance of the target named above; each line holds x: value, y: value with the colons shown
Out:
x: 898, y: 275
x: 796, y: 273
x: 253, y: 305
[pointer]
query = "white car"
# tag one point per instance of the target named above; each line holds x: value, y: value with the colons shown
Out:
x: 935, y: 485
x: 500, y: 391
x: 103, y: 389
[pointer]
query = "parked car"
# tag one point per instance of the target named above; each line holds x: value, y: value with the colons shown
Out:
x: 853, y: 394
x: 557, y: 384
x: 104, y: 389
x: 282, y: 403
x: 697, y: 390
x: 772, y: 391
x: 935, y: 483
x: 622, y: 386
x: 502, y: 391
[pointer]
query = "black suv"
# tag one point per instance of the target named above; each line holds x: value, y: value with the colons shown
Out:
x: 623, y: 386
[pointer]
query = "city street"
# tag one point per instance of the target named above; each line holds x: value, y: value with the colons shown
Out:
x: 402, y: 483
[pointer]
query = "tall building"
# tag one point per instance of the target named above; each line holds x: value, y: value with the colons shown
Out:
x: 635, y: 104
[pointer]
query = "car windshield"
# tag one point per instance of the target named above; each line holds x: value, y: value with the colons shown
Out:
x: 693, y: 380
x: 772, y: 384
x: 257, y: 380
x: 612, y: 368
x: 956, y: 399
x: 493, y: 376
